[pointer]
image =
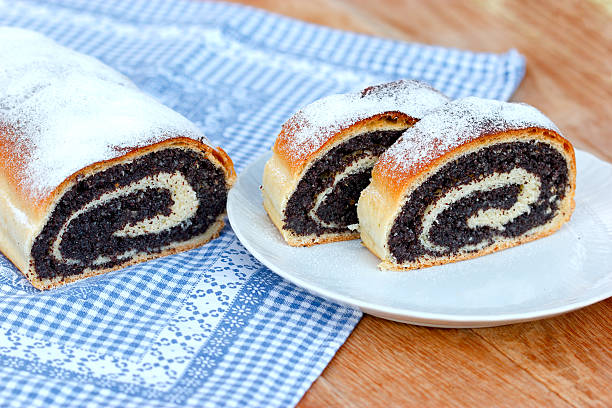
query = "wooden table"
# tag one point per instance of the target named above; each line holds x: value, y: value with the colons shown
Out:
x: 564, y: 361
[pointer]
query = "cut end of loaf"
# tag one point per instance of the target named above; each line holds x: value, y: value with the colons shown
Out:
x: 496, y: 192
x: 320, y: 206
x: 152, y: 203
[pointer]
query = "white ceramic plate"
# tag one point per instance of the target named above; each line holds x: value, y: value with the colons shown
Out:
x: 566, y: 271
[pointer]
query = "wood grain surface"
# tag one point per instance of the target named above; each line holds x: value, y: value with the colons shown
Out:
x: 563, y: 361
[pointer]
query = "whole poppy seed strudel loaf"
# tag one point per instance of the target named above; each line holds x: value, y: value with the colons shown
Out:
x: 470, y: 178
x: 96, y: 175
x: 324, y: 154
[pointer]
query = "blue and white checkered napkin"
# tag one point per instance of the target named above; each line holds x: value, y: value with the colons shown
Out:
x: 210, y: 327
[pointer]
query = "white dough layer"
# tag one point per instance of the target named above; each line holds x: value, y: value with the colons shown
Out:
x: 354, y: 168
x: 184, y: 207
x: 495, y: 218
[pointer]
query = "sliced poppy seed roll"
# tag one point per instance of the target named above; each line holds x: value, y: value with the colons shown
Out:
x: 472, y: 177
x: 324, y: 155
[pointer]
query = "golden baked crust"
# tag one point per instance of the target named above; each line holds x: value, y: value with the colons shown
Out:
x: 394, y: 181
x: 284, y: 146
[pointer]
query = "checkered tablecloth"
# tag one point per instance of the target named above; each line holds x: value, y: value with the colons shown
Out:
x: 210, y: 327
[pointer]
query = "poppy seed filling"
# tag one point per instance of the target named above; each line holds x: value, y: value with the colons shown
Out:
x: 338, y: 210
x: 454, y: 228
x: 93, y: 238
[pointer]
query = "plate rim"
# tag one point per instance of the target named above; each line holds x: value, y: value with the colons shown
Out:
x: 432, y: 319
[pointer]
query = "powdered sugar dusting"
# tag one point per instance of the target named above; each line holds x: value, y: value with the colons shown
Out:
x: 452, y: 125
x: 308, y: 130
x: 69, y: 110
